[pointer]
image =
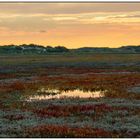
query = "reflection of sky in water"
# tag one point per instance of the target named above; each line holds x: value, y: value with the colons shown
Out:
x: 56, y: 94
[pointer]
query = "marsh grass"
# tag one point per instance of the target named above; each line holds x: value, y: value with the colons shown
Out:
x: 114, y: 115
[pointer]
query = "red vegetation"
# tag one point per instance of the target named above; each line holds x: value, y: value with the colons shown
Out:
x: 10, y: 87
x: 59, y: 111
x: 90, y: 80
x: 65, y: 131
x: 17, y: 85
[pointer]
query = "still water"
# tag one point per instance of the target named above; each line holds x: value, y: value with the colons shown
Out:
x: 45, y: 94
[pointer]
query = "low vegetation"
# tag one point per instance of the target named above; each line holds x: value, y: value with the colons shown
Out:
x: 116, y: 114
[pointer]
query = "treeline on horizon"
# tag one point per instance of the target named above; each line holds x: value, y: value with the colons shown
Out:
x: 39, y: 49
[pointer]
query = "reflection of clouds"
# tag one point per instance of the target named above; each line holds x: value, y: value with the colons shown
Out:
x: 48, y: 94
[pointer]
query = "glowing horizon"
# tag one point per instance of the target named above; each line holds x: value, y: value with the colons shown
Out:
x: 72, y: 25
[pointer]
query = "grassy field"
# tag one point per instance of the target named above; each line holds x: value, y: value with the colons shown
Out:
x: 69, y: 57
x: 70, y: 95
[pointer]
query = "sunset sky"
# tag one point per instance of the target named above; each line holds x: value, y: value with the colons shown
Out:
x: 72, y: 25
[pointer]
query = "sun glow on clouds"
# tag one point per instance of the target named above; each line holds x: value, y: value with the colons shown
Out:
x: 72, y: 25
